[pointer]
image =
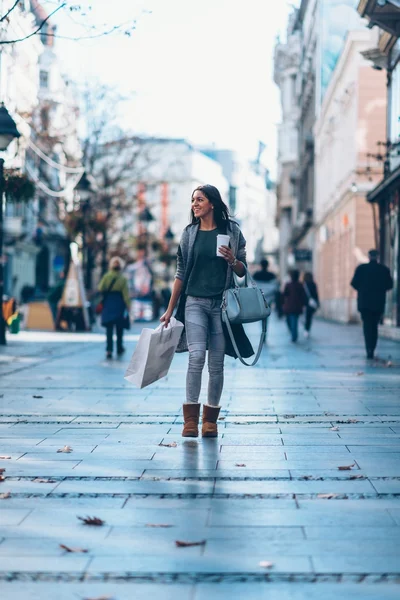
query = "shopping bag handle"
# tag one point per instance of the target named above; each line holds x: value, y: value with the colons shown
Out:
x: 168, y: 328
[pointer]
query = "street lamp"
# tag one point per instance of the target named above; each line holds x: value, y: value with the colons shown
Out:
x: 8, y: 132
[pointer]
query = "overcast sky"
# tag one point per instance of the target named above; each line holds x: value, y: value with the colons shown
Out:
x: 200, y: 69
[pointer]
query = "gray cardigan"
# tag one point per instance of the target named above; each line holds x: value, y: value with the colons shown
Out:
x: 185, y: 264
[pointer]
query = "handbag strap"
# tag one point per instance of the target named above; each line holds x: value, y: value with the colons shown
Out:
x: 260, y: 345
x: 108, y: 290
x: 307, y: 290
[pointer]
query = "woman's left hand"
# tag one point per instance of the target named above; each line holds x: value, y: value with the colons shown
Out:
x: 227, y: 254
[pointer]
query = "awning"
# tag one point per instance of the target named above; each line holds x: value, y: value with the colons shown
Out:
x: 383, y: 13
x: 391, y: 182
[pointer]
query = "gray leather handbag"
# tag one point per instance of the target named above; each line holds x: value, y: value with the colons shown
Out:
x: 245, y: 304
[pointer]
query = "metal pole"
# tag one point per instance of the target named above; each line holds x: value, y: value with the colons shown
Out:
x: 2, y: 322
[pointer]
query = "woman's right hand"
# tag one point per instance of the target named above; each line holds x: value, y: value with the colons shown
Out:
x: 166, y: 317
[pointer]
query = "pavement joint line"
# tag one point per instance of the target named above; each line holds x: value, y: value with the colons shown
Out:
x: 189, y: 496
x: 49, y: 358
x: 373, y: 579
x: 88, y: 478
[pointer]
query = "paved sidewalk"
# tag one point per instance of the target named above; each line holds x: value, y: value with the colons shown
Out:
x: 278, y: 517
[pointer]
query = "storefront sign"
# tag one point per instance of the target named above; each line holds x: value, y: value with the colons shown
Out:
x: 303, y: 254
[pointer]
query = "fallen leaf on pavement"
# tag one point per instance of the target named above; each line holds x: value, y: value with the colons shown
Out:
x: 347, y: 467
x: 158, y: 525
x: 38, y: 480
x: 327, y: 496
x: 37, y: 396
x: 171, y: 445
x: 289, y: 416
x: 265, y: 564
x: 92, y: 521
x: 221, y: 418
x: 359, y: 373
x: 68, y: 549
x: 5, y: 496
x: 334, y: 428
x: 357, y: 477
x: 65, y: 449
x: 5, y: 457
x: 240, y: 465
x: 307, y: 477
x: 181, y: 544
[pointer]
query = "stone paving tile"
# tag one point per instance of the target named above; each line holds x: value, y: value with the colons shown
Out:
x: 67, y: 563
x: 260, y: 548
x: 229, y: 516
x: 12, y: 516
x: 77, y: 591
x: 277, y: 420
x: 203, y: 564
x: 356, y: 564
x: 300, y: 591
x: 350, y: 532
x: 395, y: 513
x: 115, y: 517
x: 136, y: 487
x: 293, y: 487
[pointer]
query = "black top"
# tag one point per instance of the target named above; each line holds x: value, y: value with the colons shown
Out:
x: 264, y: 276
x: 208, y: 276
x: 312, y: 290
x: 372, y: 281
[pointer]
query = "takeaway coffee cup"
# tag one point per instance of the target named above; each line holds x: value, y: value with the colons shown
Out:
x: 222, y: 240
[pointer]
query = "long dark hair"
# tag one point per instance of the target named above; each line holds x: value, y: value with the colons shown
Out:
x: 221, y: 211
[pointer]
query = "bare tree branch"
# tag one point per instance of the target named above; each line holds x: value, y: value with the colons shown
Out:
x: 79, y: 38
x: 37, y: 30
x: 125, y: 27
x: 9, y: 11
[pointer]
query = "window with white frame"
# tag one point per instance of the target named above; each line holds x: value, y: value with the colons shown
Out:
x: 44, y: 79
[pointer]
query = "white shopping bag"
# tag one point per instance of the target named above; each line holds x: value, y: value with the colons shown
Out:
x: 154, y: 353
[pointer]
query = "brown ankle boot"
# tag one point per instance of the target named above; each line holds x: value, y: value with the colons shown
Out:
x: 210, y: 416
x: 191, y: 414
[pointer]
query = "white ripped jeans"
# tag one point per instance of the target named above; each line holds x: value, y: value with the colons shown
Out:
x: 203, y: 323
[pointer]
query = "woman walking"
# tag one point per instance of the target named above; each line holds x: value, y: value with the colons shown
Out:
x: 201, y: 279
x: 294, y: 300
x: 310, y: 287
x: 116, y: 303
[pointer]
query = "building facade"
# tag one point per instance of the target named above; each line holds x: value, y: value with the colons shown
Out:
x: 348, y: 132
x: 42, y: 103
x: 304, y: 66
x: 385, y: 197
x: 286, y: 66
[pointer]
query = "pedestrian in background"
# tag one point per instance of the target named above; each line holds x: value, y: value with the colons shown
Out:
x: 294, y: 301
x: 266, y: 281
x: 372, y: 281
x: 201, y: 279
x: 54, y: 297
x: 310, y: 287
x: 116, y: 305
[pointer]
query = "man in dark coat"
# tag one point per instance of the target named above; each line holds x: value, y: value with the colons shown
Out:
x: 372, y: 281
